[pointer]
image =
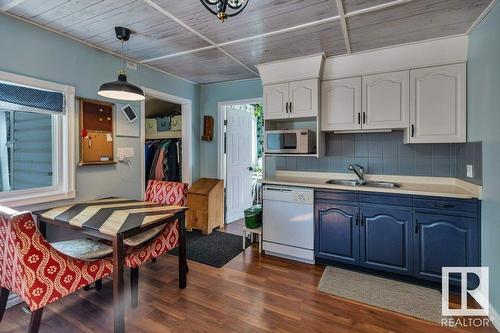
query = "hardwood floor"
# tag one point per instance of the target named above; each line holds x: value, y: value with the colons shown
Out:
x: 235, y: 227
x: 252, y: 293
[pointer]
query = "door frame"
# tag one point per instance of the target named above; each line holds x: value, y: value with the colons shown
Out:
x: 187, y: 133
x: 221, y: 117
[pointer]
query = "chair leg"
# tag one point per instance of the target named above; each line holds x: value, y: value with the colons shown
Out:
x: 134, y: 286
x: 98, y: 284
x: 4, y: 296
x: 36, y: 318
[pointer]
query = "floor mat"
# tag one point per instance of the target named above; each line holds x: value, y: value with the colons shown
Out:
x: 216, y: 249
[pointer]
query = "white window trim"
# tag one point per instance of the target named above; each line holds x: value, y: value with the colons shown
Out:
x: 64, y: 149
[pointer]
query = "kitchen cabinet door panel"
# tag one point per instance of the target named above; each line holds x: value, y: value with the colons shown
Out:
x: 275, y: 101
x: 386, y: 100
x: 438, y: 104
x: 386, y: 239
x: 304, y: 98
x: 341, y: 104
x: 337, y: 233
x: 444, y: 241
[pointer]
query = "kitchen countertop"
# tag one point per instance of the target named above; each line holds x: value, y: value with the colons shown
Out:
x: 412, y: 185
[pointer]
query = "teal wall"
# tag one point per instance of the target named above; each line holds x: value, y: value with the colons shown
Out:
x: 211, y: 95
x: 32, y: 51
x: 483, y: 125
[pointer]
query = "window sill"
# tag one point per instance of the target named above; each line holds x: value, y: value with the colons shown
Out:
x: 36, y: 198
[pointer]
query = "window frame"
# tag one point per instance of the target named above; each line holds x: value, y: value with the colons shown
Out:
x: 63, y: 147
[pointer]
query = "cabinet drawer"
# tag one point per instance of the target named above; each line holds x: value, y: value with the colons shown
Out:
x: 385, y: 199
x: 445, y: 204
x: 352, y: 197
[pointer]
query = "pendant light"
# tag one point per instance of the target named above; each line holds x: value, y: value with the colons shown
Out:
x: 121, y: 89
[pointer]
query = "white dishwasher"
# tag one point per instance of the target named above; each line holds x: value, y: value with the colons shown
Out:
x: 288, y: 222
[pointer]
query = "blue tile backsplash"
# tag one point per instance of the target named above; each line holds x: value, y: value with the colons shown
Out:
x: 386, y: 154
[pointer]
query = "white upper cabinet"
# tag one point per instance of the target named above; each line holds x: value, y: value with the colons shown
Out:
x: 304, y: 98
x: 341, y: 104
x: 297, y: 99
x: 276, y: 101
x: 386, y: 101
x: 438, y: 104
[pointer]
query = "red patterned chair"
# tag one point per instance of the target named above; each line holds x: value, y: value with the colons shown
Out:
x: 35, y: 270
x: 151, y: 244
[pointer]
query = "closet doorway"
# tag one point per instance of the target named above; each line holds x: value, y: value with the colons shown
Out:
x: 166, y: 138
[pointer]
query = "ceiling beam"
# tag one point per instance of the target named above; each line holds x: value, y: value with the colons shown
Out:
x: 11, y: 4
x: 343, y: 24
x: 377, y: 7
x: 194, y: 31
x: 271, y: 33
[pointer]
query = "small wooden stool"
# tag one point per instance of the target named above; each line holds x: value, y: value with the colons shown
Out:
x: 253, y: 232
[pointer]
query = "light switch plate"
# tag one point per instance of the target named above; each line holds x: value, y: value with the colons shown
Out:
x: 470, y: 171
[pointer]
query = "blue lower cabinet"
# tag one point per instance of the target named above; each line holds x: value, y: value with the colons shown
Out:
x: 337, y: 232
x: 413, y: 236
x: 386, y: 239
x: 444, y: 241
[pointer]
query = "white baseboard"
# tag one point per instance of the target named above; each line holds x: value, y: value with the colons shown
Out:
x: 494, y: 318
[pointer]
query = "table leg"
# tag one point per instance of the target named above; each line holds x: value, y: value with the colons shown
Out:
x: 118, y: 297
x: 182, y: 251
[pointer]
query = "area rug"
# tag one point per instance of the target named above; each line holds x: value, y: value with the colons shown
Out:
x: 393, y: 295
x: 216, y: 249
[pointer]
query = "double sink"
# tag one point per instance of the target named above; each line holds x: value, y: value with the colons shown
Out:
x: 357, y: 182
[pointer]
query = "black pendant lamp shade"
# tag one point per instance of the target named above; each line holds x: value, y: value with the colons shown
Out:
x: 121, y: 89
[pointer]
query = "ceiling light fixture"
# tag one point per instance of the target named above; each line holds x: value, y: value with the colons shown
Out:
x: 219, y: 7
x: 121, y: 89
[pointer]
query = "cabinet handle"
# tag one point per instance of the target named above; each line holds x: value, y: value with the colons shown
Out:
x: 291, y: 109
x: 362, y: 220
x: 412, y: 130
x: 359, y: 118
x: 286, y: 107
x: 442, y: 205
x: 357, y: 219
x: 364, y: 117
x: 416, y: 227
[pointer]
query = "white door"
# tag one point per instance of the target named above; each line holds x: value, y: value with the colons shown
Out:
x: 438, y: 104
x: 276, y: 101
x: 386, y: 100
x: 239, y: 152
x: 341, y: 104
x: 304, y: 96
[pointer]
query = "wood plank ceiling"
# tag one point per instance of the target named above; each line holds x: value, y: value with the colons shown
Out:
x: 184, y: 39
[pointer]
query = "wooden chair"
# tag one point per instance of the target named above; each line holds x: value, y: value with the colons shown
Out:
x: 35, y: 270
x: 151, y: 244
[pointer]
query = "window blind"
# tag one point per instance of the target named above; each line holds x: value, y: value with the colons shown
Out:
x: 31, y: 97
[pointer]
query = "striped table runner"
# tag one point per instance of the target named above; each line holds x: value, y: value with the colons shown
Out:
x: 110, y: 216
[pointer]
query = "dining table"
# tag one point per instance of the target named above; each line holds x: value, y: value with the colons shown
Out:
x: 115, y: 219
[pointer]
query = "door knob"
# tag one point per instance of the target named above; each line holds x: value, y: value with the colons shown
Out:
x: 250, y: 169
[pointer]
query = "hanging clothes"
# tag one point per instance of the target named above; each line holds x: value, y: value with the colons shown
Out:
x: 163, y: 160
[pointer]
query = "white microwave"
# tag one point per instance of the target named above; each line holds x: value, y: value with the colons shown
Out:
x: 293, y: 141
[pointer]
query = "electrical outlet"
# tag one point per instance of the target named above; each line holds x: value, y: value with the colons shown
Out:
x: 470, y: 171
x: 125, y: 153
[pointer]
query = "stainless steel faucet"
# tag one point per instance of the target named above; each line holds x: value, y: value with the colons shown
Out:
x: 358, y: 170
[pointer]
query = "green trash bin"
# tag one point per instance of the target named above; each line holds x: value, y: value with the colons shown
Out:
x: 253, y: 217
